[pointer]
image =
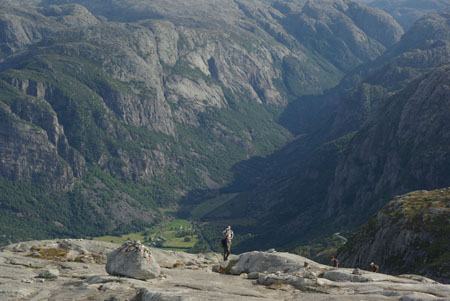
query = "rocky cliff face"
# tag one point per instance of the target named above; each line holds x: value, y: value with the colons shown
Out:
x: 391, y: 93
x: 409, y: 234
x: 403, y: 148
x: 19, y: 139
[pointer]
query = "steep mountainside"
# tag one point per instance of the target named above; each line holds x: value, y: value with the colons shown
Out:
x: 113, y: 109
x: 409, y: 234
x: 404, y: 147
x: 389, y: 136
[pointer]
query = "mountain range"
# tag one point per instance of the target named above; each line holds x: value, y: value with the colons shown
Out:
x: 387, y: 135
x: 290, y: 120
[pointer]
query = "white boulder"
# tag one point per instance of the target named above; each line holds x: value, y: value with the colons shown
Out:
x: 133, y: 260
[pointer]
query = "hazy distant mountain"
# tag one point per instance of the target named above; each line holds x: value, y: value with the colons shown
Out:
x: 406, y: 12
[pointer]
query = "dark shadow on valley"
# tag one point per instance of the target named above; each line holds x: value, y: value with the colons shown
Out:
x: 282, y: 186
x: 308, y: 119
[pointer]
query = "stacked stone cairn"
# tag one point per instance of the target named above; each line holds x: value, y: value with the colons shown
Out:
x: 133, y: 259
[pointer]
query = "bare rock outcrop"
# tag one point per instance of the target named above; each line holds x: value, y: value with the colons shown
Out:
x: 55, y: 270
x: 265, y: 262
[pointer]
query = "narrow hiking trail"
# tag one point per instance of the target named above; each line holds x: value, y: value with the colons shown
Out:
x: 338, y: 234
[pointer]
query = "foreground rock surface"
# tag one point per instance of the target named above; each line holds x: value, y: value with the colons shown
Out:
x: 79, y: 273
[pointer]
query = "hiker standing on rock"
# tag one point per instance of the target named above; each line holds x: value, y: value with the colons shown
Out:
x: 228, y: 235
x: 334, y: 262
x: 374, y: 267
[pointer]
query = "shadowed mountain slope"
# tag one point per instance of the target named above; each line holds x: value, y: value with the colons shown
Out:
x: 388, y: 136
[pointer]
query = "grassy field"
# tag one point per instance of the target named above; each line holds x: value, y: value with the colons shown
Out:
x: 178, y: 234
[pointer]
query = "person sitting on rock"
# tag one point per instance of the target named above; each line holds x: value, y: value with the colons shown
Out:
x: 334, y: 262
x: 373, y: 267
x: 228, y: 235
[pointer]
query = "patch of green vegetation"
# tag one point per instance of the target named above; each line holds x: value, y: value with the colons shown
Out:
x: 149, y: 195
x: 120, y: 239
x: 177, y: 234
x: 222, y: 140
x: 29, y: 211
x: 419, y: 206
x: 9, y: 93
x: 341, y: 143
x: 52, y: 254
x: 296, y: 73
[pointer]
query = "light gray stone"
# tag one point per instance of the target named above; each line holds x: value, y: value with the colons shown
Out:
x: 148, y: 295
x: 417, y: 278
x: 344, y: 275
x: 49, y: 274
x: 272, y: 262
x: 110, y: 286
x: 101, y: 279
x: 20, y: 248
x: 421, y: 297
x: 253, y: 275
